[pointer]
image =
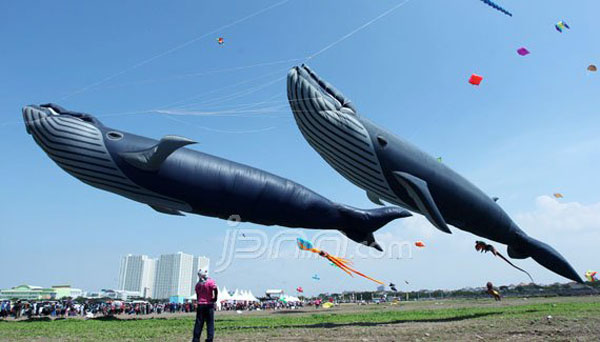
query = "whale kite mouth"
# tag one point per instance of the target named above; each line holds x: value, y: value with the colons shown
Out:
x: 35, y: 113
x: 307, y: 89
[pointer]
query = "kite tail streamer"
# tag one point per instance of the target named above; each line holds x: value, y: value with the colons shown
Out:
x: 483, y: 247
x: 342, y: 263
x: 515, y: 266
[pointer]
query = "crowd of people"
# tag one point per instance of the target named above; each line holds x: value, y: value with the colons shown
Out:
x: 89, y: 309
x: 273, y: 304
x: 68, y: 308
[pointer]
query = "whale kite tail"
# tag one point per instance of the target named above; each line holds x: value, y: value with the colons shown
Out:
x: 544, y: 255
x: 362, y: 223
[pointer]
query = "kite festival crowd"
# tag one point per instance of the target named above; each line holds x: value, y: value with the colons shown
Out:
x: 23, y: 309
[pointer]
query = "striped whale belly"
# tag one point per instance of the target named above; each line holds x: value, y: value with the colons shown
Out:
x: 341, y: 140
x: 78, y: 148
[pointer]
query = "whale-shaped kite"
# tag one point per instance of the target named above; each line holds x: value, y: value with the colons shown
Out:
x: 172, y: 179
x: 391, y: 169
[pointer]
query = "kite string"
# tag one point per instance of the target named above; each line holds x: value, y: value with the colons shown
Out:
x: 341, y: 39
x: 319, y: 52
x: 171, y: 50
x: 242, y: 92
x: 204, y: 73
x: 360, y: 28
x: 220, y: 130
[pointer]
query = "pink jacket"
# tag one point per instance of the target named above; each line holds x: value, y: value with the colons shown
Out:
x: 204, y: 291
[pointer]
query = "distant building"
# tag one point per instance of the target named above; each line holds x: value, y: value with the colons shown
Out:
x: 65, y: 291
x: 138, y: 274
x: 112, y: 294
x: 28, y: 292
x: 173, y: 275
x: 169, y: 275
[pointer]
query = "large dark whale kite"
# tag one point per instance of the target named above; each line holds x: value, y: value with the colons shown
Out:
x: 172, y: 179
x: 391, y: 169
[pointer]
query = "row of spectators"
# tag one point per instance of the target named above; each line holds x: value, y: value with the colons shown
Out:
x: 92, y: 308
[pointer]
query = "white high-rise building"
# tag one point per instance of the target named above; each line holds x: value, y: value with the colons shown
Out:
x: 137, y: 274
x: 174, y: 275
x: 200, y: 263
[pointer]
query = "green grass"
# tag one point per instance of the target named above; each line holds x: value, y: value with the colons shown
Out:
x: 175, y: 329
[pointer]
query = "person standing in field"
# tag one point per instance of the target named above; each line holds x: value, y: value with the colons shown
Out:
x: 206, y: 292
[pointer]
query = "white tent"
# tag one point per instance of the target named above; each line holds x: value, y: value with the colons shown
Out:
x: 237, y: 295
x: 223, y: 295
x: 252, y: 298
x: 242, y: 296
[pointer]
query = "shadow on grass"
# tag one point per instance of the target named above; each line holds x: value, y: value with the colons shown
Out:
x: 370, y: 324
x: 80, y: 319
x: 289, y: 312
x: 29, y: 320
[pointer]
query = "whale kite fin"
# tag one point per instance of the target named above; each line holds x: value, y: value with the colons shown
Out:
x: 152, y: 158
x: 419, y: 192
x: 366, y: 239
x: 166, y: 210
x: 374, y: 198
x: 362, y: 223
x: 495, y: 199
x: 514, y: 253
x: 544, y: 255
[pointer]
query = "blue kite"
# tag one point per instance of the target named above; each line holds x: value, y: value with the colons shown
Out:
x: 496, y: 6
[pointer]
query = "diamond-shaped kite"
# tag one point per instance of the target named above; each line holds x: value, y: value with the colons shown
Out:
x: 475, y: 79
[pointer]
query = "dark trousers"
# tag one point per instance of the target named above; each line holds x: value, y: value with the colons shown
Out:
x: 205, y: 313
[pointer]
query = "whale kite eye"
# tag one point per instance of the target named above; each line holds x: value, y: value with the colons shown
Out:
x: 112, y: 135
x: 381, y: 140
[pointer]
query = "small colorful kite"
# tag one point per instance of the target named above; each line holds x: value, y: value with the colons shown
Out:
x: 393, y: 287
x: 406, y: 281
x: 592, y: 68
x: 591, y: 276
x: 496, y: 6
x: 420, y: 244
x: 316, y: 277
x: 523, y: 51
x: 561, y: 25
x: 339, y: 262
x: 492, y: 292
x: 557, y: 195
x: 483, y: 247
x: 475, y: 79
x: 221, y: 40
x: 299, y: 289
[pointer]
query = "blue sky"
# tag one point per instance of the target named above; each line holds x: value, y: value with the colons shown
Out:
x: 529, y: 130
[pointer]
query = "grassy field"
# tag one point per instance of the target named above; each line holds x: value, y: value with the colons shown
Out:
x: 573, y: 318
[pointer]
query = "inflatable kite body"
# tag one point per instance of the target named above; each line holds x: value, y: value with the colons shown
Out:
x: 172, y: 179
x: 391, y: 169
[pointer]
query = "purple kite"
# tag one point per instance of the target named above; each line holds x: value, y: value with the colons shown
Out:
x: 523, y: 51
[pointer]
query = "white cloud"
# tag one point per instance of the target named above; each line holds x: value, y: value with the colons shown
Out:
x: 553, y: 215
